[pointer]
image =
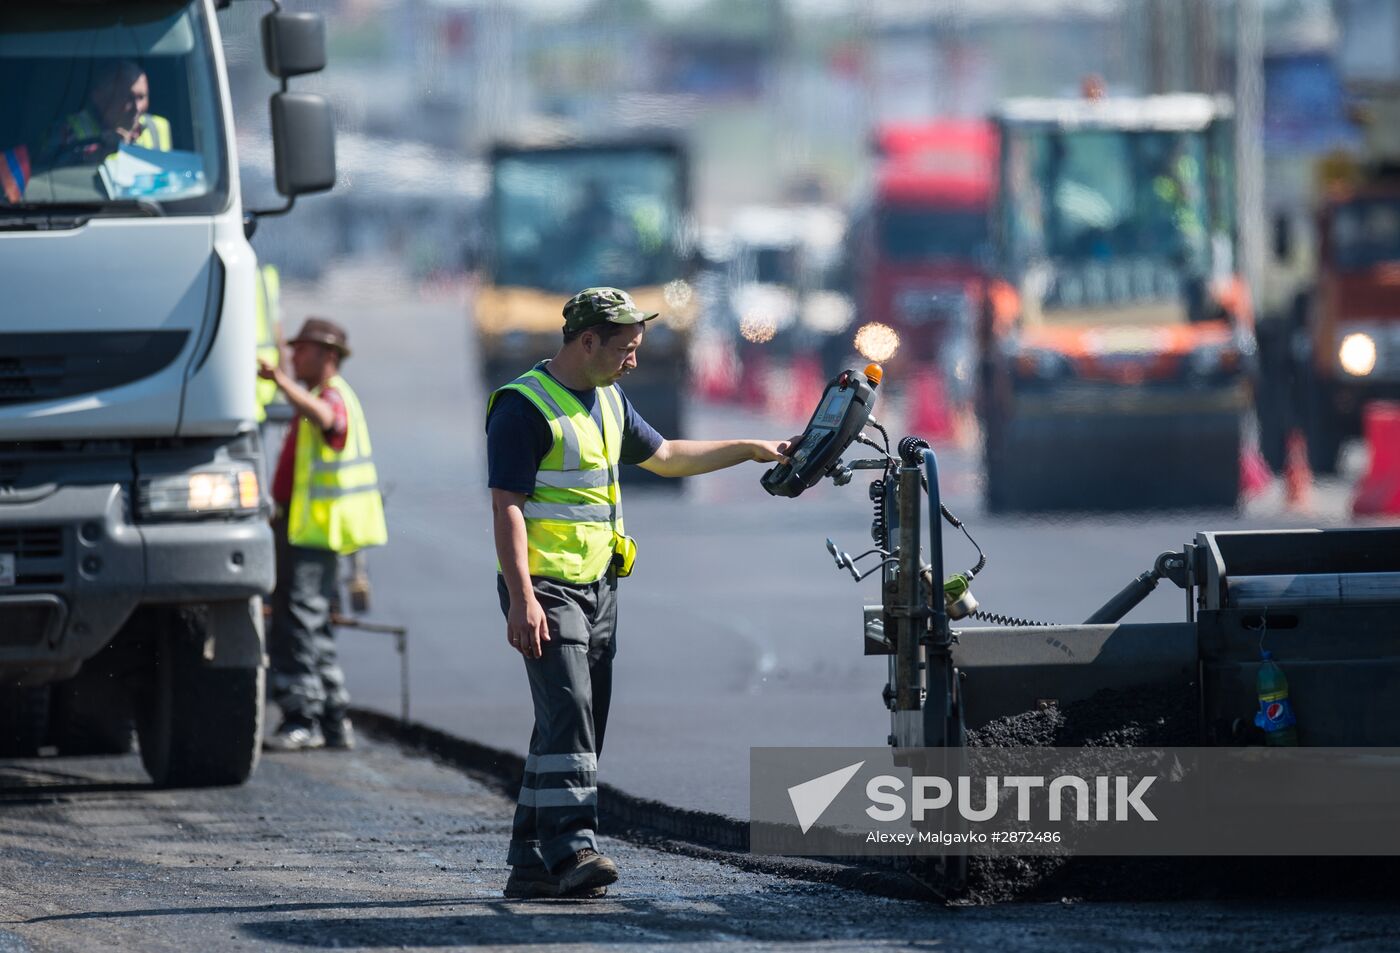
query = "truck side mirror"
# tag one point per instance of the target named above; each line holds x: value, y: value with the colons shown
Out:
x: 293, y: 43
x: 303, y: 143
x: 1283, y: 239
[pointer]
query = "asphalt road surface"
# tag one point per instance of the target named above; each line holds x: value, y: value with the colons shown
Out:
x: 374, y: 849
x: 735, y: 629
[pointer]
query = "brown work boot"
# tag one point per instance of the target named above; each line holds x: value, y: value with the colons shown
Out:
x: 529, y: 883
x: 586, y: 869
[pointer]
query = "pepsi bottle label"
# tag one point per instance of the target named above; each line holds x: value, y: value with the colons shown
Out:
x: 1275, y: 713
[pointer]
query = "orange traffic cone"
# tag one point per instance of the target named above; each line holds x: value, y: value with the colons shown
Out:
x: 1379, y: 490
x: 1297, y: 475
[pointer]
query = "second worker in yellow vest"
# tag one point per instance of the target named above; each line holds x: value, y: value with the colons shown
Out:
x: 556, y: 438
x: 326, y: 490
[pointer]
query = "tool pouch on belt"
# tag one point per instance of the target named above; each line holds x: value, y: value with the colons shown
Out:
x: 624, y: 554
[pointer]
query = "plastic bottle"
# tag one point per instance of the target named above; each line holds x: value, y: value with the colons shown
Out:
x: 1275, y: 714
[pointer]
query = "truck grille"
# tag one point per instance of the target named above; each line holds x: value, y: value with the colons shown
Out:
x: 38, y: 367
x: 32, y: 542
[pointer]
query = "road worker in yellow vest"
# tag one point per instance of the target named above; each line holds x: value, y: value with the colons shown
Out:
x: 327, y: 504
x: 117, y: 113
x: 556, y: 438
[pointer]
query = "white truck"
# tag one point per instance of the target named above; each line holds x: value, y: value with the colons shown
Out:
x: 134, y: 544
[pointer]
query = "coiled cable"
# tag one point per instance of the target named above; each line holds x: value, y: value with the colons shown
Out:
x: 996, y: 619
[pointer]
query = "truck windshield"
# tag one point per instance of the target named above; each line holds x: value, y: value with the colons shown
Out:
x: 931, y: 234
x: 567, y: 220
x: 114, y: 107
x: 1365, y: 232
x: 1095, y: 196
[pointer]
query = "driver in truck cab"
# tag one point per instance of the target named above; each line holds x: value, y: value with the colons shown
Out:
x: 117, y: 113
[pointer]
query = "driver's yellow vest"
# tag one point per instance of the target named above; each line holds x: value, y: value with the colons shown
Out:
x: 155, y: 133
x: 335, y: 501
x: 575, y: 509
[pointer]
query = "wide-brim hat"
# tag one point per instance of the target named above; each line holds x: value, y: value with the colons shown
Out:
x: 594, y: 306
x: 323, y: 331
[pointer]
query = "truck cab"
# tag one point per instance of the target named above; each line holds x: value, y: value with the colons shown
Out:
x: 922, y: 244
x: 1348, y: 328
x: 1114, y: 369
x: 567, y: 217
x: 134, y: 544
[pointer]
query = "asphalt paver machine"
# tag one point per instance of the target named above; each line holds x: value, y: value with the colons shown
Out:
x: 1326, y: 603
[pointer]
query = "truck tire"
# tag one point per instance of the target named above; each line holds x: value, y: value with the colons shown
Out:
x: 90, y: 714
x: 198, y: 726
x: 24, y: 715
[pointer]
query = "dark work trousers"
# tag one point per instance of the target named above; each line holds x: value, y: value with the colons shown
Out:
x: 571, y: 686
x: 305, y: 680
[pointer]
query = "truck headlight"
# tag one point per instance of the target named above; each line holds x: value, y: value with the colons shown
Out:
x: 1357, y: 354
x: 203, y: 493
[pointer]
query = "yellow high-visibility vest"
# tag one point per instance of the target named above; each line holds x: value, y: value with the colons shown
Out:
x: 155, y: 134
x: 268, y: 296
x: 335, y: 501
x: 574, y: 512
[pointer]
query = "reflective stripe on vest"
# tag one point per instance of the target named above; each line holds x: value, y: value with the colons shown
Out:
x: 335, y: 496
x: 268, y: 291
x: 575, y: 506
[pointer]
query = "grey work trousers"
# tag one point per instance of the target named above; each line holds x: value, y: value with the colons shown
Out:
x: 305, y: 680
x: 571, y: 686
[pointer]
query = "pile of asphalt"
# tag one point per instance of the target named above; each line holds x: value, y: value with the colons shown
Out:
x: 1151, y: 718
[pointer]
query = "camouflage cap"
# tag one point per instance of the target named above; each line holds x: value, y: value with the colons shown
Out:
x: 602, y: 305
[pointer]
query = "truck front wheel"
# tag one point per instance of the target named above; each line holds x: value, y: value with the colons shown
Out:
x: 198, y: 726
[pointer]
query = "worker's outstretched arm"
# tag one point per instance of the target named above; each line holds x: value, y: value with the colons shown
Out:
x: 679, y: 458
x: 526, y: 627
x: 313, y: 408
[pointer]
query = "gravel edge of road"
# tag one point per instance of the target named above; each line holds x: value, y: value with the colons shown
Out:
x: 646, y: 822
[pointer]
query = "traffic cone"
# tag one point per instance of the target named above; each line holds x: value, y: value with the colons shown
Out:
x: 1378, y: 493
x: 1255, y: 475
x: 1297, y: 476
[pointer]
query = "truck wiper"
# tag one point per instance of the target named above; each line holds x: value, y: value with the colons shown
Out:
x: 22, y: 214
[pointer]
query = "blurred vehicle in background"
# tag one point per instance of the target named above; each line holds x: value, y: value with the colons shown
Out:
x: 920, y: 251
x: 1114, y: 362
x: 1339, y: 345
x: 564, y: 218
x: 782, y: 277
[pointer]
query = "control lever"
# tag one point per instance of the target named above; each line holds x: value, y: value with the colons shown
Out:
x: 844, y: 560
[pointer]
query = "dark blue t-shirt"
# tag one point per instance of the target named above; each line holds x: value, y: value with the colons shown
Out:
x: 518, y: 437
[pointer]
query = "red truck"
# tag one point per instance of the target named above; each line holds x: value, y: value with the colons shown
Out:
x: 920, y: 250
